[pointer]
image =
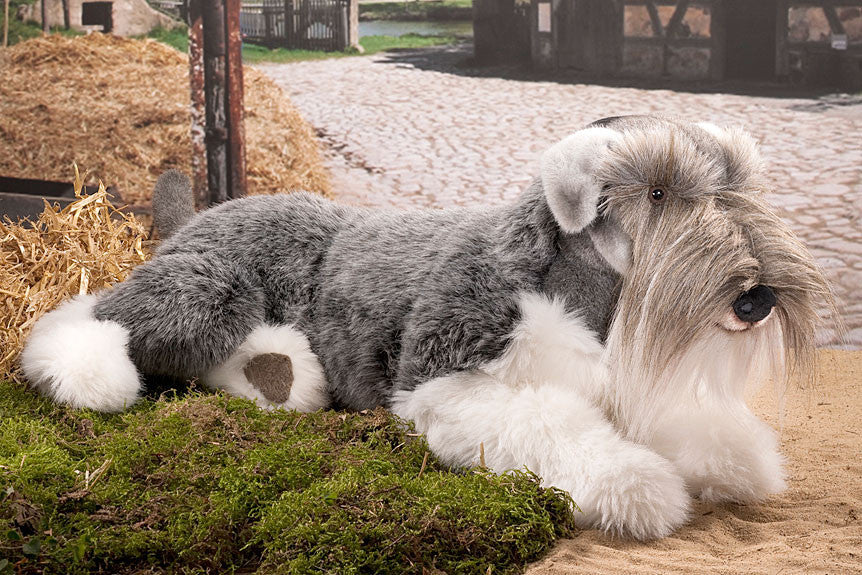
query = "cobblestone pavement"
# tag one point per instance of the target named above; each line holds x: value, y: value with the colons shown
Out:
x: 416, y: 129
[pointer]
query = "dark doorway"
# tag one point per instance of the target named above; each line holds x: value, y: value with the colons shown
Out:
x: 589, y: 35
x: 97, y: 14
x: 750, y: 52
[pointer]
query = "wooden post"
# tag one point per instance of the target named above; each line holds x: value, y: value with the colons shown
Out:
x: 268, y: 18
x: 353, y: 25
x: 215, y: 93
x: 6, y: 23
x: 782, y: 26
x: 288, y: 24
x: 236, y: 123
x: 718, y: 45
x: 223, y: 95
x: 45, y: 28
x: 67, y: 17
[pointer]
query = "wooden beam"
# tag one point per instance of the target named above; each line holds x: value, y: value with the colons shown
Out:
x: 835, y: 24
x: 666, y: 2
x: 833, y: 3
x: 6, y: 23
x: 676, y: 19
x: 718, y: 42
x: 782, y: 29
x: 824, y: 46
x: 657, y: 28
x: 46, y: 29
x: 675, y: 42
x: 670, y: 32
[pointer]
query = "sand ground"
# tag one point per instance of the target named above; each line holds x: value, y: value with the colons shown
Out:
x: 813, y: 527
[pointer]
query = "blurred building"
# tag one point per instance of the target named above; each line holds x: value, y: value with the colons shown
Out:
x: 812, y: 42
x: 120, y: 17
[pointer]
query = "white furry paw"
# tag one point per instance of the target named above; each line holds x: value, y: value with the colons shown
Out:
x: 76, y: 359
x: 636, y: 493
x: 725, y: 458
x: 276, y: 368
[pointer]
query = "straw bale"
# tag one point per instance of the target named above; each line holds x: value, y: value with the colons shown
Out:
x: 88, y: 245
x: 121, y: 107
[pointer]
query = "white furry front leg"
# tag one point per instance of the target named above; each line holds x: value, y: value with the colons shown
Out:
x: 621, y: 487
x: 723, y: 453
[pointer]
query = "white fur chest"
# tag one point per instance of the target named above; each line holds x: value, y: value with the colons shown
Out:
x: 550, y: 346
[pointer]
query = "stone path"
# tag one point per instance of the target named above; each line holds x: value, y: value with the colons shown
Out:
x: 416, y: 129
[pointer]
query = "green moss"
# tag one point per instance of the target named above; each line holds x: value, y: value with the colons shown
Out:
x: 370, y: 45
x: 375, y: 44
x: 178, y: 39
x: 211, y: 484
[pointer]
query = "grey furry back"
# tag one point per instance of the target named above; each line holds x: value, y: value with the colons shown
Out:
x: 387, y: 299
x: 173, y: 203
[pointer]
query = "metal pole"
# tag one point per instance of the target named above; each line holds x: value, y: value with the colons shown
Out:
x: 198, y: 104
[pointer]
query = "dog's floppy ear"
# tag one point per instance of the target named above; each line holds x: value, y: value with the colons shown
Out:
x: 568, y: 176
x: 741, y: 153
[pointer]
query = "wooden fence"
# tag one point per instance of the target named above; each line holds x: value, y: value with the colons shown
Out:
x: 297, y: 24
x: 293, y: 24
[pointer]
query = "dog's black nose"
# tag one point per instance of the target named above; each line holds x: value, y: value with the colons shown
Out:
x: 755, y: 304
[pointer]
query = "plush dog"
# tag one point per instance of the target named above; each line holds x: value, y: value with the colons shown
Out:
x: 599, y: 331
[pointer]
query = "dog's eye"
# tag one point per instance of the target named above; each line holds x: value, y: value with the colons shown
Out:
x: 657, y: 195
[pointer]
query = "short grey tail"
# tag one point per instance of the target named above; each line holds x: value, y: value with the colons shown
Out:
x: 173, y: 203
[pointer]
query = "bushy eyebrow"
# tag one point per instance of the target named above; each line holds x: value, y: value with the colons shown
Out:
x: 666, y: 157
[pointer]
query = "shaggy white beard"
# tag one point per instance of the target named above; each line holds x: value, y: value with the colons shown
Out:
x: 716, y: 369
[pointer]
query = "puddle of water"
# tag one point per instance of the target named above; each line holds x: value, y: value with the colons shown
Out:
x: 425, y: 28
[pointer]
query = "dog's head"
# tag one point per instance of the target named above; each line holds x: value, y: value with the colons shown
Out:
x: 715, y: 285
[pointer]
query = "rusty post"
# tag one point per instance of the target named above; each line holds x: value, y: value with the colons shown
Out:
x: 236, y: 124
x: 223, y: 96
x: 215, y: 92
x: 198, y: 103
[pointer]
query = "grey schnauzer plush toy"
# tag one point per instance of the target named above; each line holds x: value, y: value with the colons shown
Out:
x: 599, y: 330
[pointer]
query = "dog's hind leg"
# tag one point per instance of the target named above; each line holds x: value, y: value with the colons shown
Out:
x: 185, y: 313
x: 619, y: 486
x: 201, y: 315
x: 275, y: 367
x: 178, y: 315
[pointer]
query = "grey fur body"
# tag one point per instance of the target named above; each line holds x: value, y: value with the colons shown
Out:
x: 387, y: 299
x: 600, y: 330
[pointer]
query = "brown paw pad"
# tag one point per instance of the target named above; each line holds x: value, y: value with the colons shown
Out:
x: 271, y: 374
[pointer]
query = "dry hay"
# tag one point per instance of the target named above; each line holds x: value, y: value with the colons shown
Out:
x: 86, y: 246
x: 121, y: 107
